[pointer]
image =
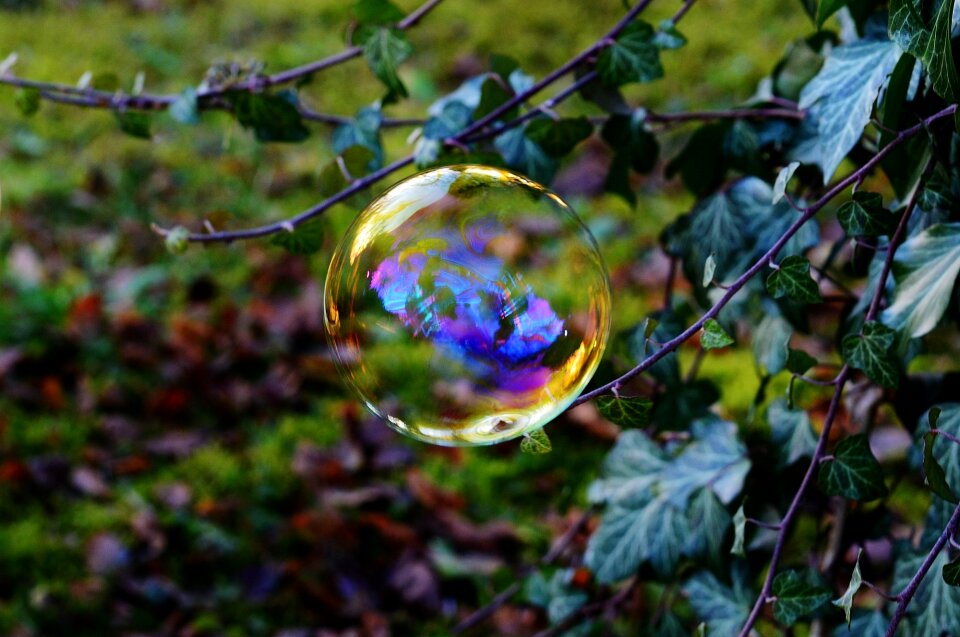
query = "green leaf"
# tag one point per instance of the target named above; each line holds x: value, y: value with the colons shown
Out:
x: 709, y: 269
x: 271, y: 117
x: 685, y: 403
x: 634, y: 148
x: 843, y: 93
x: 524, y: 155
x: 667, y: 37
x: 951, y: 572
x: 724, y: 609
x: 864, y: 624
x: 559, y: 138
x: 702, y: 164
x: 925, y: 269
x: 797, y: 596
x: 799, y: 362
x: 845, y: 601
x: 870, y: 352
x: 792, y: 432
x: 28, y: 101
x: 907, y: 29
x: 792, y: 278
x: 494, y: 92
x: 453, y: 118
x: 708, y: 521
x: 853, y: 472
x: 783, y: 178
x: 376, y: 12
x: 364, y: 131
x: 865, y: 216
x: 134, y: 123
x: 626, y: 411
x: 385, y: 48
x: 307, y: 238
x: 184, y: 108
x: 946, y: 454
x: 536, y: 442
x: 633, y: 57
x: 648, y: 493
x: 938, y: 56
x: 936, y: 477
x: 177, y: 240
x: 713, y: 336
x: 739, y: 532
x: 771, y: 344
x: 826, y: 8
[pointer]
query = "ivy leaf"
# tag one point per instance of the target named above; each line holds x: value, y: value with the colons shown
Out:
x: 713, y: 336
x: 843, y: 93
x: 134, y: 123
x: 626, y: 411
x: 271, y: 117
x: 355, y: 160
x: 906, y: 27
x: 523, y: 154
x: 792, y: 432
x: 739, y: 532
x: 634, y: 148
x: 28, y: 101
x: 853, y: 472
x: 667, y: 37
x: 771, y: 344
x: 558, y: 138
x: 453, y: 117
x: 870, y: 352
x: 951, y: 572
x: 936, y: 477
x: 826, y: 8
x: 799, y: 362
x: 633, y: 57
x: 946, y: 454
x: 385, y: 48
x: 184, y: 108
x: 869, y: 624
x: 797, y: 596
x: 685, y: 403
x: 707, y: 520
x: 306, y: 238
x: 536, y: 443
x: 783, y: 178
x: 846, y: 600
x: 938, y: 56
x: 648, y: 494
x: 632, y: 467
x: 865, y: 216
x: 936, y: 605
x: 709, y: 269
x: 925, y: 269
x: 724, y: 609
x: 792, y: 278
x: 377, y: 12
x: 363, y: 130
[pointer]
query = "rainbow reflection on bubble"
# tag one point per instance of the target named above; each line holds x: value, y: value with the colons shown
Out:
x: 467, y: 305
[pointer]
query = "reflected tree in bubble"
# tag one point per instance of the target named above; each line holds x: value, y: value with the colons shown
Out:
x: 467, y: 305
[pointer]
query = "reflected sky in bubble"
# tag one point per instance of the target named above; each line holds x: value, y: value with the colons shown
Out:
x: 467, y: 305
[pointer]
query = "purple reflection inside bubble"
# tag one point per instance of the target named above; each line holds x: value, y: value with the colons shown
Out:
x: 449, y: 289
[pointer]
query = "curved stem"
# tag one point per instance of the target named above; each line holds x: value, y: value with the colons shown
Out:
x: 906, y: 595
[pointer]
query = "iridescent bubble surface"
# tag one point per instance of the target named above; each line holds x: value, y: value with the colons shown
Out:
x: 467, y: 305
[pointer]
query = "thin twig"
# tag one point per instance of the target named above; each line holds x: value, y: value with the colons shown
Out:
x: 946, y: 434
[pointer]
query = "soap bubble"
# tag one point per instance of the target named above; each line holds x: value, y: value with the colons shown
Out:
x: 467, y: 305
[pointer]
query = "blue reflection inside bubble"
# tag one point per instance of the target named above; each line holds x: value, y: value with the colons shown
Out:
x: 449, y: 288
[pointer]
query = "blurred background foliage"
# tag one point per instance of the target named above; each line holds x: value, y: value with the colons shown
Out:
x: 176, y: 454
